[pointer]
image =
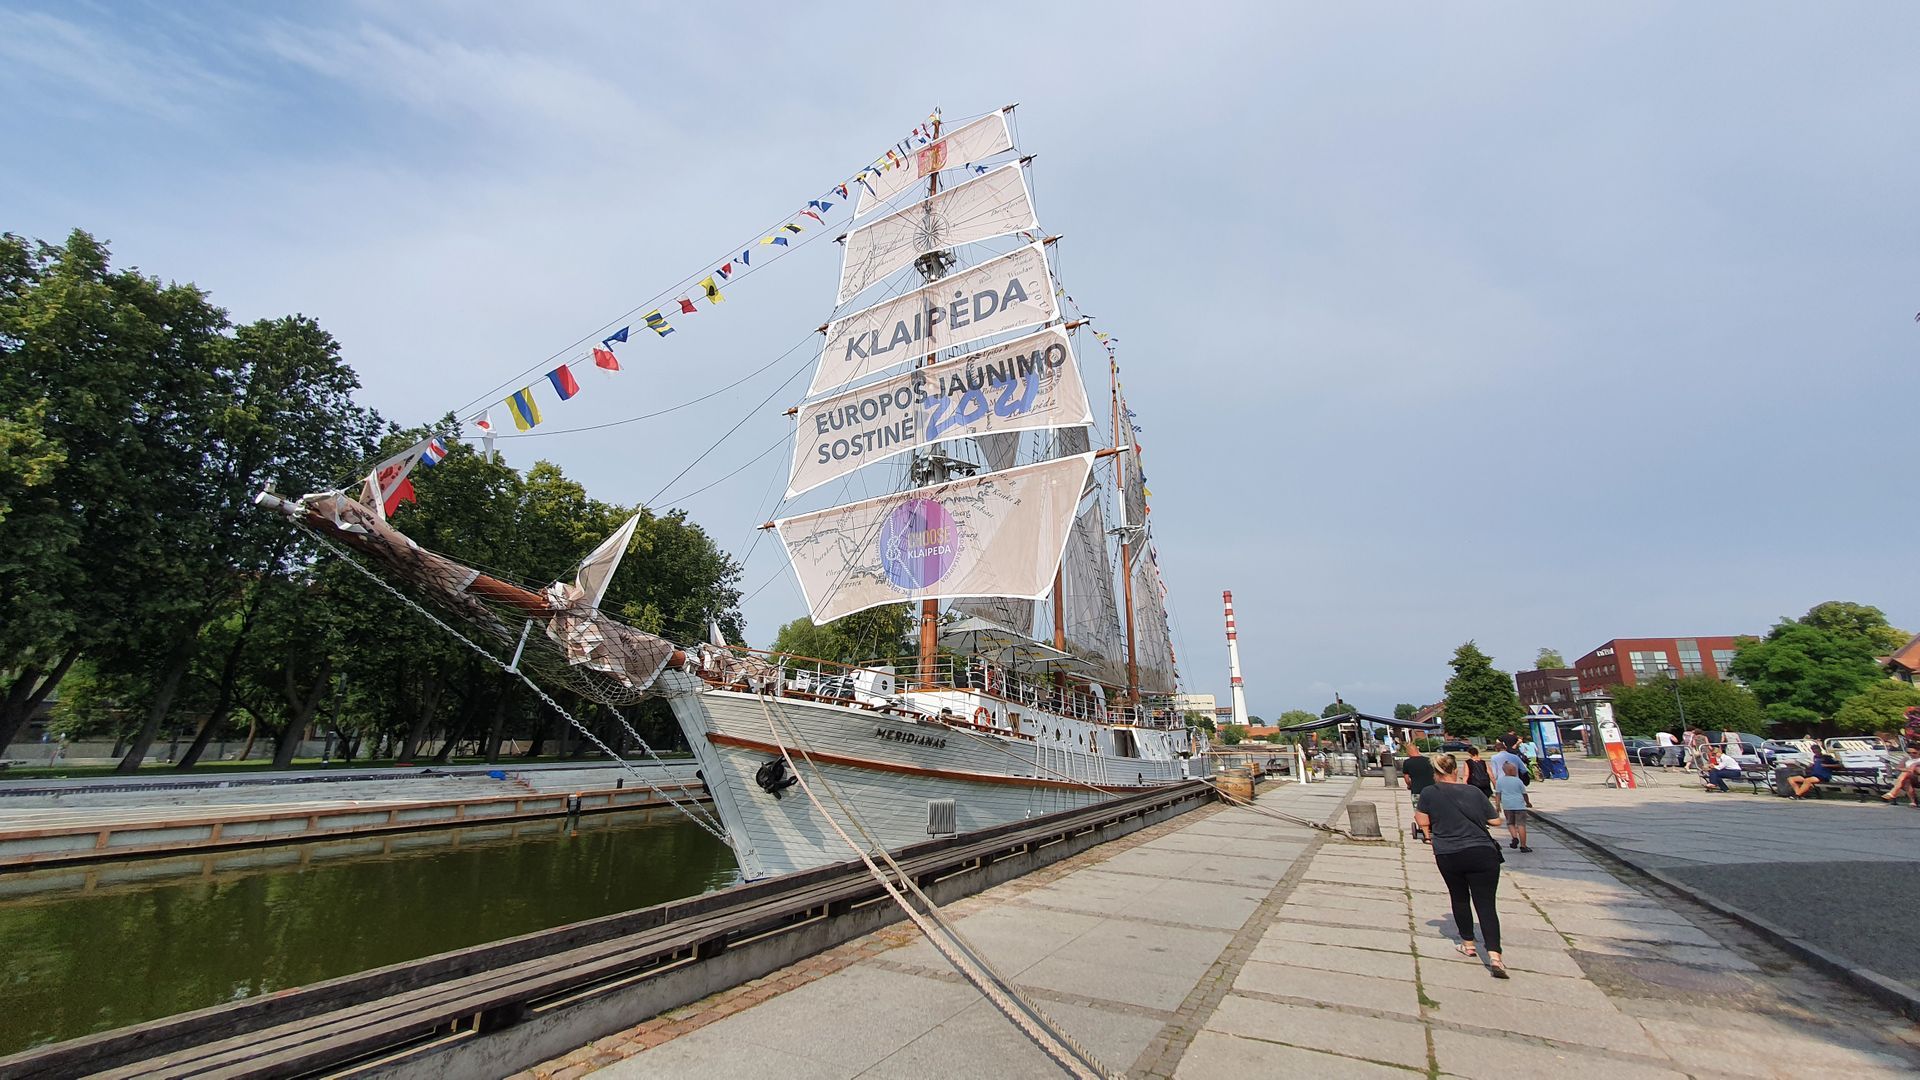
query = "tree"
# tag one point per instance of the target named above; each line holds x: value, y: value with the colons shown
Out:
x: 1803, y: 670
x: 1293, y: 717
x: 1710, y: 705
x: 1404, y: 711
x: 875, y: 633
x: 1882, y: 706
x: 1336, y: 707
x: 1856, y: 622
x: 1481, y: 701
x: 1549, y: 658
x: 1232, y: 734
x: 1200, y: 720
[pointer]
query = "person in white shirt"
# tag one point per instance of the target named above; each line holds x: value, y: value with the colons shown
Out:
x: 1669, y: 747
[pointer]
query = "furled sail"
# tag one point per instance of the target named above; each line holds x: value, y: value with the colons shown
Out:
x: 1152, y: 642
x: 1086, y: 584
x: 992, y: 395
x: 1000, y: 534
x: 1133, y: 484
x: 980, y: 209
x: 1006, y: 612
x: 975, y: 140
x: 1003, y: 294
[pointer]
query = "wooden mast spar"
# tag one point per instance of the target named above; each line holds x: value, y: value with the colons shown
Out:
x: 930, y: 609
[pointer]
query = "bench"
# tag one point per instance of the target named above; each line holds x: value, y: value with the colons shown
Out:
x: 1863, y: 771
x: 1757, y: 773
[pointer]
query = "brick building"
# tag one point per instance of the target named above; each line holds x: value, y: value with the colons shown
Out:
x: 1556, y: 688
x: 1633, y: 661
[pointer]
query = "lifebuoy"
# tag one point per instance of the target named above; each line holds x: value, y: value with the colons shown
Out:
x: 982, y: 717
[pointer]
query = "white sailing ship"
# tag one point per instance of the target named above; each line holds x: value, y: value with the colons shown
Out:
x: 969, y: 367
x: 959, y: 370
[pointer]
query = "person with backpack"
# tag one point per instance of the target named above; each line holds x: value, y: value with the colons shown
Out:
x: 1477, y: 773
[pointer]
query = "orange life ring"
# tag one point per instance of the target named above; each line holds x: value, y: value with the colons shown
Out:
x: 982, y: 717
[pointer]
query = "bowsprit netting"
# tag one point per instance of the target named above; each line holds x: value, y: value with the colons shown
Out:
x: 556, y: 635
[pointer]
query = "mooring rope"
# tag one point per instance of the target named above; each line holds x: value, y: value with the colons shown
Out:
x: 1039, y: 1028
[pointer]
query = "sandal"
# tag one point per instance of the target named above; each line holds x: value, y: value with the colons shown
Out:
x: 1466, y: 949
x: 1498, y: 968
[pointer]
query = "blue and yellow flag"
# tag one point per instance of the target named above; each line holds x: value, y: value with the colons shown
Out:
x: 526, y: 414
x: 657, y: 323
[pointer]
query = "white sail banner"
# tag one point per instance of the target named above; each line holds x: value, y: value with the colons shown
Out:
x: 976, y: 140
x: 1092, y: 617
x: 1153, y: 644
x: 1008, y: 293
x: 1000, y: 534
x: 1030, y: 382
x: 992, y: 205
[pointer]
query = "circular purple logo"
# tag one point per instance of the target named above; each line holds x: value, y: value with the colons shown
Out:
x: 919, y: 543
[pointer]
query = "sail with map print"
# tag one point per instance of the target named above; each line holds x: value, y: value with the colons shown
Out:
x: 1013, y: 523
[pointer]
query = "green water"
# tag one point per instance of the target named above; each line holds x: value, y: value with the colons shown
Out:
x: 96, y: 951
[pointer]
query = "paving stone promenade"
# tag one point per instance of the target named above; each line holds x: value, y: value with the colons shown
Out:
x: 1226, y: 944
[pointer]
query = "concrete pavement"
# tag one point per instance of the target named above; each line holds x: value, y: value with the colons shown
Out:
x: 1836, y: 873
x: 1224, y: 943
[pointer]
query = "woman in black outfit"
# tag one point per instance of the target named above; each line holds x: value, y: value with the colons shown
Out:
x: 1477, y: 774
x: 1456, y: 816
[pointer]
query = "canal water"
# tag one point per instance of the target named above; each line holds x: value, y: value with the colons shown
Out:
x: 90, y: 949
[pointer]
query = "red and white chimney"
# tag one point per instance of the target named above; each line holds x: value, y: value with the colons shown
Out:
x: 1233, y: 664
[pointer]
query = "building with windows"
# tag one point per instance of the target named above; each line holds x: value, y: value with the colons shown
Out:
x: 1556, y: 688
x: 1633, y: 661
x: 1201, y: 703
x: 1905, y: 661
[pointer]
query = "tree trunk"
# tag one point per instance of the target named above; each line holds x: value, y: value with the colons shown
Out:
x: 462, y: 721
x: 253, y: 732
x: 27, y: 691
x: 429, y: 700
x: 176, y: 669
x: 229, y: 672
x: 301, y: 714
x: 498, y: 728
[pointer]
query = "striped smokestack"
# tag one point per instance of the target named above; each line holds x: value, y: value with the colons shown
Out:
x: 1233, y: 664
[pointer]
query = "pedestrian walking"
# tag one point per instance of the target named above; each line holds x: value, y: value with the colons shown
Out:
x: 1458, y: 817
x: 1478, y: 775
x: 1417, y: 773
x: 1514, y: 804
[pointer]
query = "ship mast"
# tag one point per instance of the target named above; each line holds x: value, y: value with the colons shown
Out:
x: 936, y: 467
x: 1126, y: 537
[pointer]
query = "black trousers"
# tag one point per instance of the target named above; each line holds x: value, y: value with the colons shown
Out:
x: 1472, y: 878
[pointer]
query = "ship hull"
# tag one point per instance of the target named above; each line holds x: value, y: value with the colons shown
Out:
x: 883, y: 766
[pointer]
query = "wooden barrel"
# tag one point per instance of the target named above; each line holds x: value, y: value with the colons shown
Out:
x: 1236, y: 784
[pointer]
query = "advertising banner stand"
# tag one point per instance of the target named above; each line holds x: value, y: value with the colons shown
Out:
x: 1616, y: 748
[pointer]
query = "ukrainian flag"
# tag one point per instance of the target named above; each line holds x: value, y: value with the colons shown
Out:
x: 526, y: 414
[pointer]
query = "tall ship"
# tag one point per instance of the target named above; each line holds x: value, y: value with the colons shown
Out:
x: 1044, y: 673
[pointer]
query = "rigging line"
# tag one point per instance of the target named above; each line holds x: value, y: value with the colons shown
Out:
x: 660, y: 412
x: 748, y: 415
x: 777, y: 443
x: 663, y: 297
x: 1039, y: 1028
x: 342, y: 554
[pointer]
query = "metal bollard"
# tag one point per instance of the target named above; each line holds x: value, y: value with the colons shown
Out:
x: 1363, y: 821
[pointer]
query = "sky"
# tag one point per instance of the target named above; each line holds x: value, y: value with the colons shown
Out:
x: 1506, y: 322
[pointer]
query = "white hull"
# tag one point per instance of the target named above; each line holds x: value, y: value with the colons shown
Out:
x: 883, y: 765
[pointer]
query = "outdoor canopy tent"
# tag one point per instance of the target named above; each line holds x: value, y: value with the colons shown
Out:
x: 1325, y: 722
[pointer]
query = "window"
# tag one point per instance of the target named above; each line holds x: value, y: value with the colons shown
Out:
x: 1722, y: 659
x: 1690, y: 657
x: 1649, y: 665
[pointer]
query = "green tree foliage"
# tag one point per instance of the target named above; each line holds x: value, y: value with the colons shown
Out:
x: 1710, y: 705
x: 1200, y: 720
x: 1881, y: 706
x: 1856, y: 622
x: 1481, y: 701
x: 1804, y: 669
x: 1232, y: 734
x: 145, y: 423
x: 1296, y: 716
x: 1549, y: 658
x: 1336, y: 707
x: 1405, y: 711
x: 881, y: 633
